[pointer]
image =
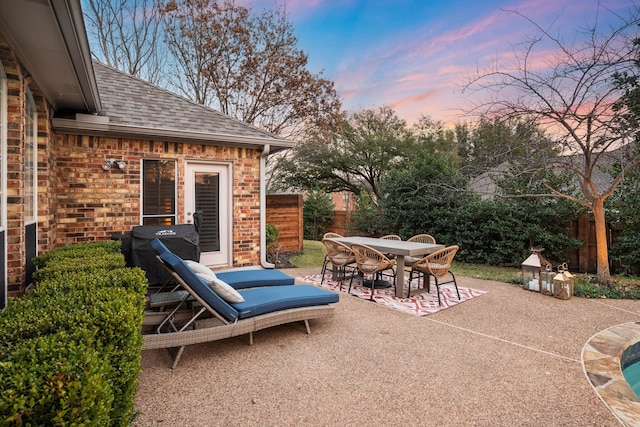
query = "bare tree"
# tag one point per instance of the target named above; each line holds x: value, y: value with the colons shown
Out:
x: 247, y: 66
x: 126, y: 34
x: 572, y: 98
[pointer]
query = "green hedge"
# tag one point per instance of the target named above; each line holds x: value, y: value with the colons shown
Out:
x: 81, y: 250
x: 62, y: 266
x: 70, y: 349
x: 46, y: 383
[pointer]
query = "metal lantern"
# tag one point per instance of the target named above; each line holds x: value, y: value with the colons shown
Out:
x: 546, y: 281
x: 532, y: 269
x: 563, y: 283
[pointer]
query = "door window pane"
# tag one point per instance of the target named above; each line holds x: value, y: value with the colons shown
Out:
x: 158, y: 192
x: 207, y: 201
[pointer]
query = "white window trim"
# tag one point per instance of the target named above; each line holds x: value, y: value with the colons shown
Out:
x: 3, y: 149
x: 3, y: 172
x: 35, y: 157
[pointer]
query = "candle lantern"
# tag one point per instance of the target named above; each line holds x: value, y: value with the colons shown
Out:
x: 546, y: 281
x: 563, y: 283
x: 532, y: 269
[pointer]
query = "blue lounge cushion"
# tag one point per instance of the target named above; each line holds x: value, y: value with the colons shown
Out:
x: 259, y: 301
x: 199, y: 287
x: 242, y: 279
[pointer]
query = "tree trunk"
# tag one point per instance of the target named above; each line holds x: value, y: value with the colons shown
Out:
x: 604, y: 275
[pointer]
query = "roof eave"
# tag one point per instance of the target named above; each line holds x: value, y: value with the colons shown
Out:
x: 50, y: 40
x: 124, y: 131
x: 71, y: 20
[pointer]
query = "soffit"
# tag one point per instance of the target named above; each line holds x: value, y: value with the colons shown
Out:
x: 50, y: 41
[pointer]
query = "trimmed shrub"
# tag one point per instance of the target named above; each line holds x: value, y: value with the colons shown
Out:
x: 80, y: 329
x: 133, y: 279
x: 90, y: 262
x: 81, y: 250
x: 58, y: 379
x: 115, y: 315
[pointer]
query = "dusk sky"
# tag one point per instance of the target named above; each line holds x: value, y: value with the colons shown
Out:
x: 415, y: 55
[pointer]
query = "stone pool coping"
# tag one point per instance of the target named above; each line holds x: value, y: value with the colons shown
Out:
x: 601, y: 360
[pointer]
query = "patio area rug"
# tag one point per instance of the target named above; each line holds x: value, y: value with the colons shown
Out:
x: 418, y: 305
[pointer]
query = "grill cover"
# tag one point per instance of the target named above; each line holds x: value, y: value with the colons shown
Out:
x: 182, y: 239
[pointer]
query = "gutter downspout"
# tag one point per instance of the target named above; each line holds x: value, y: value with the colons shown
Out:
x: 263, y: 208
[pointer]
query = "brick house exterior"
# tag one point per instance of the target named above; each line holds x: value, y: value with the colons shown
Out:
x: 86, y: 114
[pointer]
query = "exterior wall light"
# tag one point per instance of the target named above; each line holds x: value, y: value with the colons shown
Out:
x: 111, y: 163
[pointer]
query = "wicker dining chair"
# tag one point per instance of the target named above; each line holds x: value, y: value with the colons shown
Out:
x: 370, y: 262
x: 422, y: 238
x: 410, y: 260
x: 437, y: 264
x: 341, y: 257
x: 326, y: 261
x: 391, y: 237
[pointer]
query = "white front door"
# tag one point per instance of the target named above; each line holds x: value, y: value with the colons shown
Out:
x: 208, y: 190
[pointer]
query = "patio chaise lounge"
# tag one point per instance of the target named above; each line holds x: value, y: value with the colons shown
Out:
x: 237, y: 278
x: 216, y: 319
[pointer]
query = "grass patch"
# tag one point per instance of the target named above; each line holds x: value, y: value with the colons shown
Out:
x: 487, y: 272
x: 312, y: 255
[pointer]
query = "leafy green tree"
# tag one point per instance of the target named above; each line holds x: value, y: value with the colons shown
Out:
x: 318, y: 212
x: 366, y: 219
x: 491, y: 143
x: 414, y: 195
x: 359, y: 152
x: 432, y: 136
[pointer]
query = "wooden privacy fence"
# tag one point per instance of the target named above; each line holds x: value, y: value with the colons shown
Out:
x: 285, y: 212
x: 340, y: 223
x: 584, y: 259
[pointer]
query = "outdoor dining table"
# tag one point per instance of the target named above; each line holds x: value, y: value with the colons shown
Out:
x: 400, y: 248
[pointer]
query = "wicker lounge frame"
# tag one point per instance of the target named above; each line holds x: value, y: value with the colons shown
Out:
x: 207, y: 324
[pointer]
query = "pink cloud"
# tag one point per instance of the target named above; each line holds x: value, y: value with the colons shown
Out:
x: 413, y: 99
x: 421, y: 70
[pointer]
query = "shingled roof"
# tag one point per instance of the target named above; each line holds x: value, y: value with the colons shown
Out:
x: 133, y: 107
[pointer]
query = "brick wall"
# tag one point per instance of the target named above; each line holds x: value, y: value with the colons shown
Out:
x: 15, y: 175
x: 93, y: 204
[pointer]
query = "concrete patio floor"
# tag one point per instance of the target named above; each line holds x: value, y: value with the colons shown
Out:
x: 510, y: 358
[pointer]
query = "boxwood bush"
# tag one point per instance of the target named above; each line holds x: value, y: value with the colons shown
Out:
x: 61, y: 266
x: 46, y: 383
x: 70, y: 349
x: 81, y: 250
